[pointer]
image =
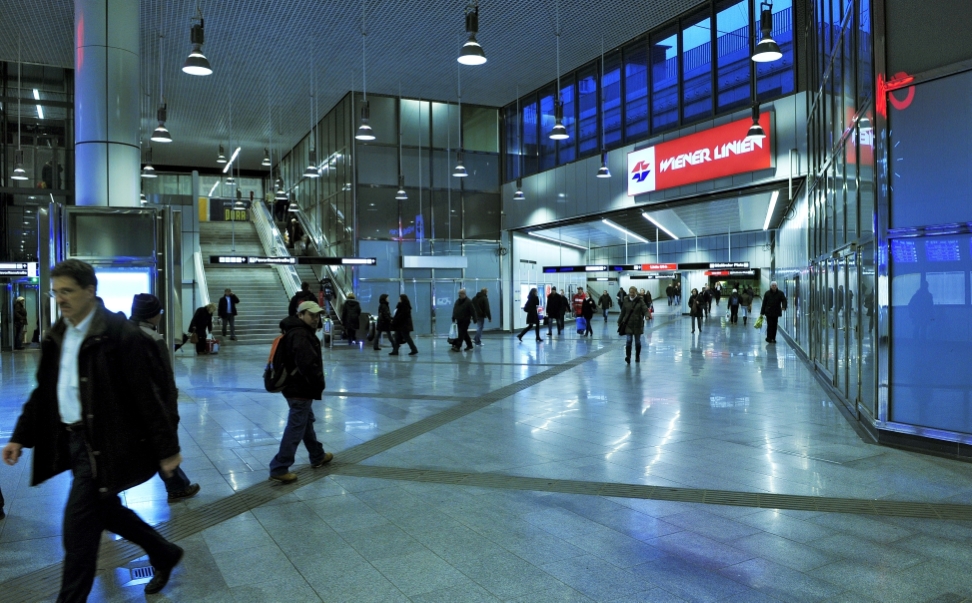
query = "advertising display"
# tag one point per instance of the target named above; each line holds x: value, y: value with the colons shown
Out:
x: 714, y: 153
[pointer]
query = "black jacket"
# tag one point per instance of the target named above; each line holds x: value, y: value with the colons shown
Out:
x: 302, y: 351
x: 695, y: 304
x: 201, y: 323
x: 774, y: 302
x: 482, y: 306
x: 464, y: 309
x: 531, y: 309
x: 556, y: 305
x: 605, y: 302
x: 20, y: 314
x: 402, y: 321
x: 221, y: 310
x: 299, y: 298
x: 351, y: 314
x: 171, y: 396
x: 127, y: 425
x: 588, y: 308
x: 384, y: 317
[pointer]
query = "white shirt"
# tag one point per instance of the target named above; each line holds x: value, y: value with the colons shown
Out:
x: 68, y: 387
x: 229, y: 304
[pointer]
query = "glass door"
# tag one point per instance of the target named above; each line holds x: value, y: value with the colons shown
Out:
x: 839, y: 317
x: 446, y: 293
x: 852, y: 320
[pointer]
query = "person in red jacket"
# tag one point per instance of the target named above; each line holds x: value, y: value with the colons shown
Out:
x: 578, y: 301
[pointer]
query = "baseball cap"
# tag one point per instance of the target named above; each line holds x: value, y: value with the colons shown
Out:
x: 309, y: 306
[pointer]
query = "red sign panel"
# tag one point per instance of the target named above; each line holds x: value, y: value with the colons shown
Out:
x: 659, y: 267
x: 715, y: 153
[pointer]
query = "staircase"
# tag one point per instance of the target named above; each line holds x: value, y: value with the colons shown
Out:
x: 263, y: 300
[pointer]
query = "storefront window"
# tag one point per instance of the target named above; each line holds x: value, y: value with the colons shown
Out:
x: 664, y: 74
x: 697, y: 67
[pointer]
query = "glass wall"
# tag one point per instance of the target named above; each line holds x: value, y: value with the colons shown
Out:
x: 679, y: 74
x: 837, y: 319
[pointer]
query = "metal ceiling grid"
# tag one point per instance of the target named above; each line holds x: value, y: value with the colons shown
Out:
x: 262, y: 54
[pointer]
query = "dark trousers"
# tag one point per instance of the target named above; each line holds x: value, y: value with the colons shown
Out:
x: 391, y: 338
x: 463, y: 334
x: 201, y: 347
x: 589, y: 330
x: 352, y: 334
x: 771, y: 323
x: 733, y: 313
x: 300, y: 428
x: 550, y: 325
x: 696, y: 319
x: 403, y: 337
x: 177, y: 482
x: 532, y: 325
x: 19, y: 336
x: 88, y: 513
x: 231, y: 321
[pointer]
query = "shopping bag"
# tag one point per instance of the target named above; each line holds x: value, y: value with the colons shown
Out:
x: 759, y: 322
x: 212, y: 346
x: 453, y: 331
x: 581, y: 325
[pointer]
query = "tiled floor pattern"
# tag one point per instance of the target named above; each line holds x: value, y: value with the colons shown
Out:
x: 720, y: 411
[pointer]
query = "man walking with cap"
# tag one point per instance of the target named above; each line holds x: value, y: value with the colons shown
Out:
x: 227, y: 312
x: 302, y: 358
x: 147, y: 314
x: 98, y: 411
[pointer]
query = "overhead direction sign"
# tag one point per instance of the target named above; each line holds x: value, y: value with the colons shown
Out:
x: 15, y: 269
x: 714, y: 153
x: 245, y: 260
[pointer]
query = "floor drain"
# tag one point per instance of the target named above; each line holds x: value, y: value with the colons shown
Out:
x: 140, y: 575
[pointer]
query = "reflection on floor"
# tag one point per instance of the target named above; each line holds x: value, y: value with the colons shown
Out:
x: 505, y: 432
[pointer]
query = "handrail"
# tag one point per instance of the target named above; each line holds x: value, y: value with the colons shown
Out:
x: 274, y: 246
x: 201, y: 278
x: 320, y: 243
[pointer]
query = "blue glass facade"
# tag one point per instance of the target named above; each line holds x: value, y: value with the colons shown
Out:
x: 684, y: 72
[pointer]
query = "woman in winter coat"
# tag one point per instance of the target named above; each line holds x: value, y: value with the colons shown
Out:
x: 402, y: 324
x: 384, y: 321
x: 20, y: 322
x: 632, y: 323
x: 201, y: 325
x: 533, y: 318
x: 588, y: 308
x: 696, y: 304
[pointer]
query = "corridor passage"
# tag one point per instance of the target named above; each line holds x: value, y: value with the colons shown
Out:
x: 716, y: 469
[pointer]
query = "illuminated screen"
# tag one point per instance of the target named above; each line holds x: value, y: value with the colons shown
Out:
x: 117, y: 286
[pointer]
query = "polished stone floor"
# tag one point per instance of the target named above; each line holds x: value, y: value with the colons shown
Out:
x: 460, y: 477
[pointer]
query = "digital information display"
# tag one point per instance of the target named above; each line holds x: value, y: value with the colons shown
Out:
x: 15, y: 269
x: 243, y: 260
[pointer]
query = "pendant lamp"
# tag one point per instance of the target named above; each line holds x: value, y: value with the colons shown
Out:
x: 197, y: 63
x: 472, y: 52
x: 767, y: 50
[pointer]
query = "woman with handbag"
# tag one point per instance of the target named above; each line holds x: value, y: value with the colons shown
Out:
x: 533, y: 318
x: 588, y: 308
x: 632, y: 323
x: 696, y: 305
x: 200, y: 327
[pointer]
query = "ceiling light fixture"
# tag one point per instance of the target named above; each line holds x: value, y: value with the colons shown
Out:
x: 311, y: 170
x: 767, y: 50
x: 770, y: 209
x: 161, y: 133
x: 40, y: 110
x: 233, y: 157
x: 756, y: 130
x: 460, y: 170
x: 364, y: 133
x: 197, y: 63
x: 221, y: 156
x: 624, y: 230
x: 603, y: 171
x: 559, y: 132
x: 231, y: 181
x: 266, y: 158
x: 401, y: 195
x: 518, y: 194
x: 19, y: 172
x: 645, y: 215
x: 472, y: 52
x: 557, y: 241
x: 147, y: 170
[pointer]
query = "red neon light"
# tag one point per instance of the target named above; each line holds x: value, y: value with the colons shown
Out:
x: 659, y: 267
x: 886, y: 87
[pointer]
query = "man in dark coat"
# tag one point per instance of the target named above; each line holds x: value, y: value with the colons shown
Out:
x: 556, y: 308
x: 402, y: 324
x: 351, y: 318
x: 20, y: 322
x: 481, y: 301
x: 147, y: 314
x: 670, y: 292
x: 98, y: 411
x: 301, y: 355
x: 463, y: 312
x: 774, y: 304
x: 305, y: 294
x: 227, y: 312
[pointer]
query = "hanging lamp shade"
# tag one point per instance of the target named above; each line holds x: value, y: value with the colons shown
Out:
x: 231, y: 181
x: 161, y: 133
x: 365, y: 132
x: 756, y: 130
x: 142, y: 199
x: 19, y: 172
x: 518, y: 195
x: 767, y: 50
x: 148, y: 171
x: 293, y: 207
x: 266, y: 158
x: 401, y: 195
x: 603, y: 171
x: 221, y: 156
x: 559, y: 132
x: 460, y: 170
x: 472, y: 52
x: 311, y: 170
x: 197, y: 63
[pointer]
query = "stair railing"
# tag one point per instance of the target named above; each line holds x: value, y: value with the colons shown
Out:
x: 320, y: 243
x: 274, y: 246
x: 202, y: 287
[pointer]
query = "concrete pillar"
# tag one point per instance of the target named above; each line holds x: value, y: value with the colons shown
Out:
x: 106, y: 103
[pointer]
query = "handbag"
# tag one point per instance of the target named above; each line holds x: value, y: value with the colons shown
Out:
x: 581, y: 325
x: 194, y: 339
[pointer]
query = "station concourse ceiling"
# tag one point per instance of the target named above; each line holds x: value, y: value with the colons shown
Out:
x: 264, y: 54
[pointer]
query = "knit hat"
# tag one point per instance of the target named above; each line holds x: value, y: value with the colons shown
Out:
x: 145, y: 306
